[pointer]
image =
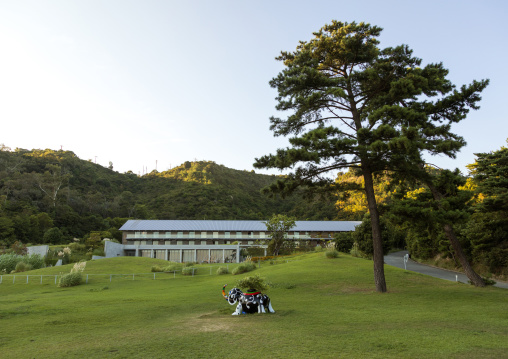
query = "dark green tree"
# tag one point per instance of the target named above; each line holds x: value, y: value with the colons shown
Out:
x: 490, y: 173
x: 439, y: 207
x: 278, y: 227
x: 353, y: 104
x: 53, y: 236
x: 488, y: 228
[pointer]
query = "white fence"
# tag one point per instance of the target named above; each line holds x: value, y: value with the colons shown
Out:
x: 95, y: 278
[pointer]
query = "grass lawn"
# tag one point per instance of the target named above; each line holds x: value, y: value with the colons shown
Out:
x: 325, y: 308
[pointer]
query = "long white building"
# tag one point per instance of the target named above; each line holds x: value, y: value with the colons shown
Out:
x: 210, y: 241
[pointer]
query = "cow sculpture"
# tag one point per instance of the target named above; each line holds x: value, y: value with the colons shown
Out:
x: 251, y: 301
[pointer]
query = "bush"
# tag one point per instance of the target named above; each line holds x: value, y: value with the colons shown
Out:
x: 344, y: 241
x: 77, y: 247
x: 332, y: 254
x: 244, y: 268
x: 23, y: 267
x: 173, y: 267
x: 222, y: 270
x: 35, y: 261
x: 157, y: 269
x: 187, y: 271
x: 70, y: 279
x: 356, y: 252
x: 255, y: 283
x: 8, y: 262
x: 98, y: 252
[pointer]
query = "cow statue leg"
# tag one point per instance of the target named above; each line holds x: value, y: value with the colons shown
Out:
x: 238, y: 310
x: 261, y: 307
x: 268, y: 304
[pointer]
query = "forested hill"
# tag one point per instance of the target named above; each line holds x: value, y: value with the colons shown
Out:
x: 45, y: 189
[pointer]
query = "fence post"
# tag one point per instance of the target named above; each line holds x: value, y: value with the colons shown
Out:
x: 55, y: 280
x: 27, y: 279
x: 132, y: 276
x: 87, y: 279
x: 41, y: 279
x: 153, y: 275
x: 1, y: 278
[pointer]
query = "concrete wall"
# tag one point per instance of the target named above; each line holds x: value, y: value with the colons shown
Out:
x: 40, y: 250
x: 112, y: 249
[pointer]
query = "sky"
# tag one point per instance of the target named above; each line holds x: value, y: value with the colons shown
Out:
x: 147, y: 85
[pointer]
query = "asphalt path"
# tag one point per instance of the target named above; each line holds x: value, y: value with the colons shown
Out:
x: 396, y: 259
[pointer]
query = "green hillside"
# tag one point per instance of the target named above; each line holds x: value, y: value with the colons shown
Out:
x: 43, y: 189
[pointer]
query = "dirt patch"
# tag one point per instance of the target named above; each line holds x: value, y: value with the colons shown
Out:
x: 211, y: 322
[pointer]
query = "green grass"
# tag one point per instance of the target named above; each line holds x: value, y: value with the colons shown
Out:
x: 325, y: 308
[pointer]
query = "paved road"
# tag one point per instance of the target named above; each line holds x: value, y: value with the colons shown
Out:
x: 396, y: 259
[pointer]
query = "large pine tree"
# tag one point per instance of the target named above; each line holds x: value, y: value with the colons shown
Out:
x: 353, y: 104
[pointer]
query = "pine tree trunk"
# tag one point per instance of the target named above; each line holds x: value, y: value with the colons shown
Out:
x: 459, y: 253
x: 457, y: 247
x: 378, y: 258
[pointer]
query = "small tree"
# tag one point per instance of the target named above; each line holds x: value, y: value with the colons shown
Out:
x: 94, y: 241
x: 53, y: 236
x: 278, y: 227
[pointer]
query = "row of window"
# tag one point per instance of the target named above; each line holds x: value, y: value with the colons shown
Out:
x: 226, y: 235
x: 149, y: 242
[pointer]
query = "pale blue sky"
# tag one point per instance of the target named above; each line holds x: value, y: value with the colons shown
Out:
x: 145, y: 82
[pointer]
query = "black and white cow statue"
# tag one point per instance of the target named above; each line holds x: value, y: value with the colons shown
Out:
x: 251, y: 301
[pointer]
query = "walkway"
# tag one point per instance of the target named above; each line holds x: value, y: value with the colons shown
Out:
x: 396, y: 259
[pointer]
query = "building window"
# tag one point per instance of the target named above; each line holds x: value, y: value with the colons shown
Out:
x: 227, y: 234
x: 203, y: 234
x: 179, y: 235
x: 192, y: 235
x: 239, y: 235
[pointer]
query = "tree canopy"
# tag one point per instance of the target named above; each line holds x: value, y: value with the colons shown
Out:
x: 354, y: 104
x: 278, y: 227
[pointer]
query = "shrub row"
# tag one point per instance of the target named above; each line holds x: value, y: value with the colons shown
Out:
x: 9, y: 262
x: 172, y: 267
x: 244, y: 268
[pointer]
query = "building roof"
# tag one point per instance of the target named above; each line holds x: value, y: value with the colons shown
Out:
x: 233, y: 226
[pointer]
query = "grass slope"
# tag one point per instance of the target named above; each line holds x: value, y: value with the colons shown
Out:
x: 325, y: 308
